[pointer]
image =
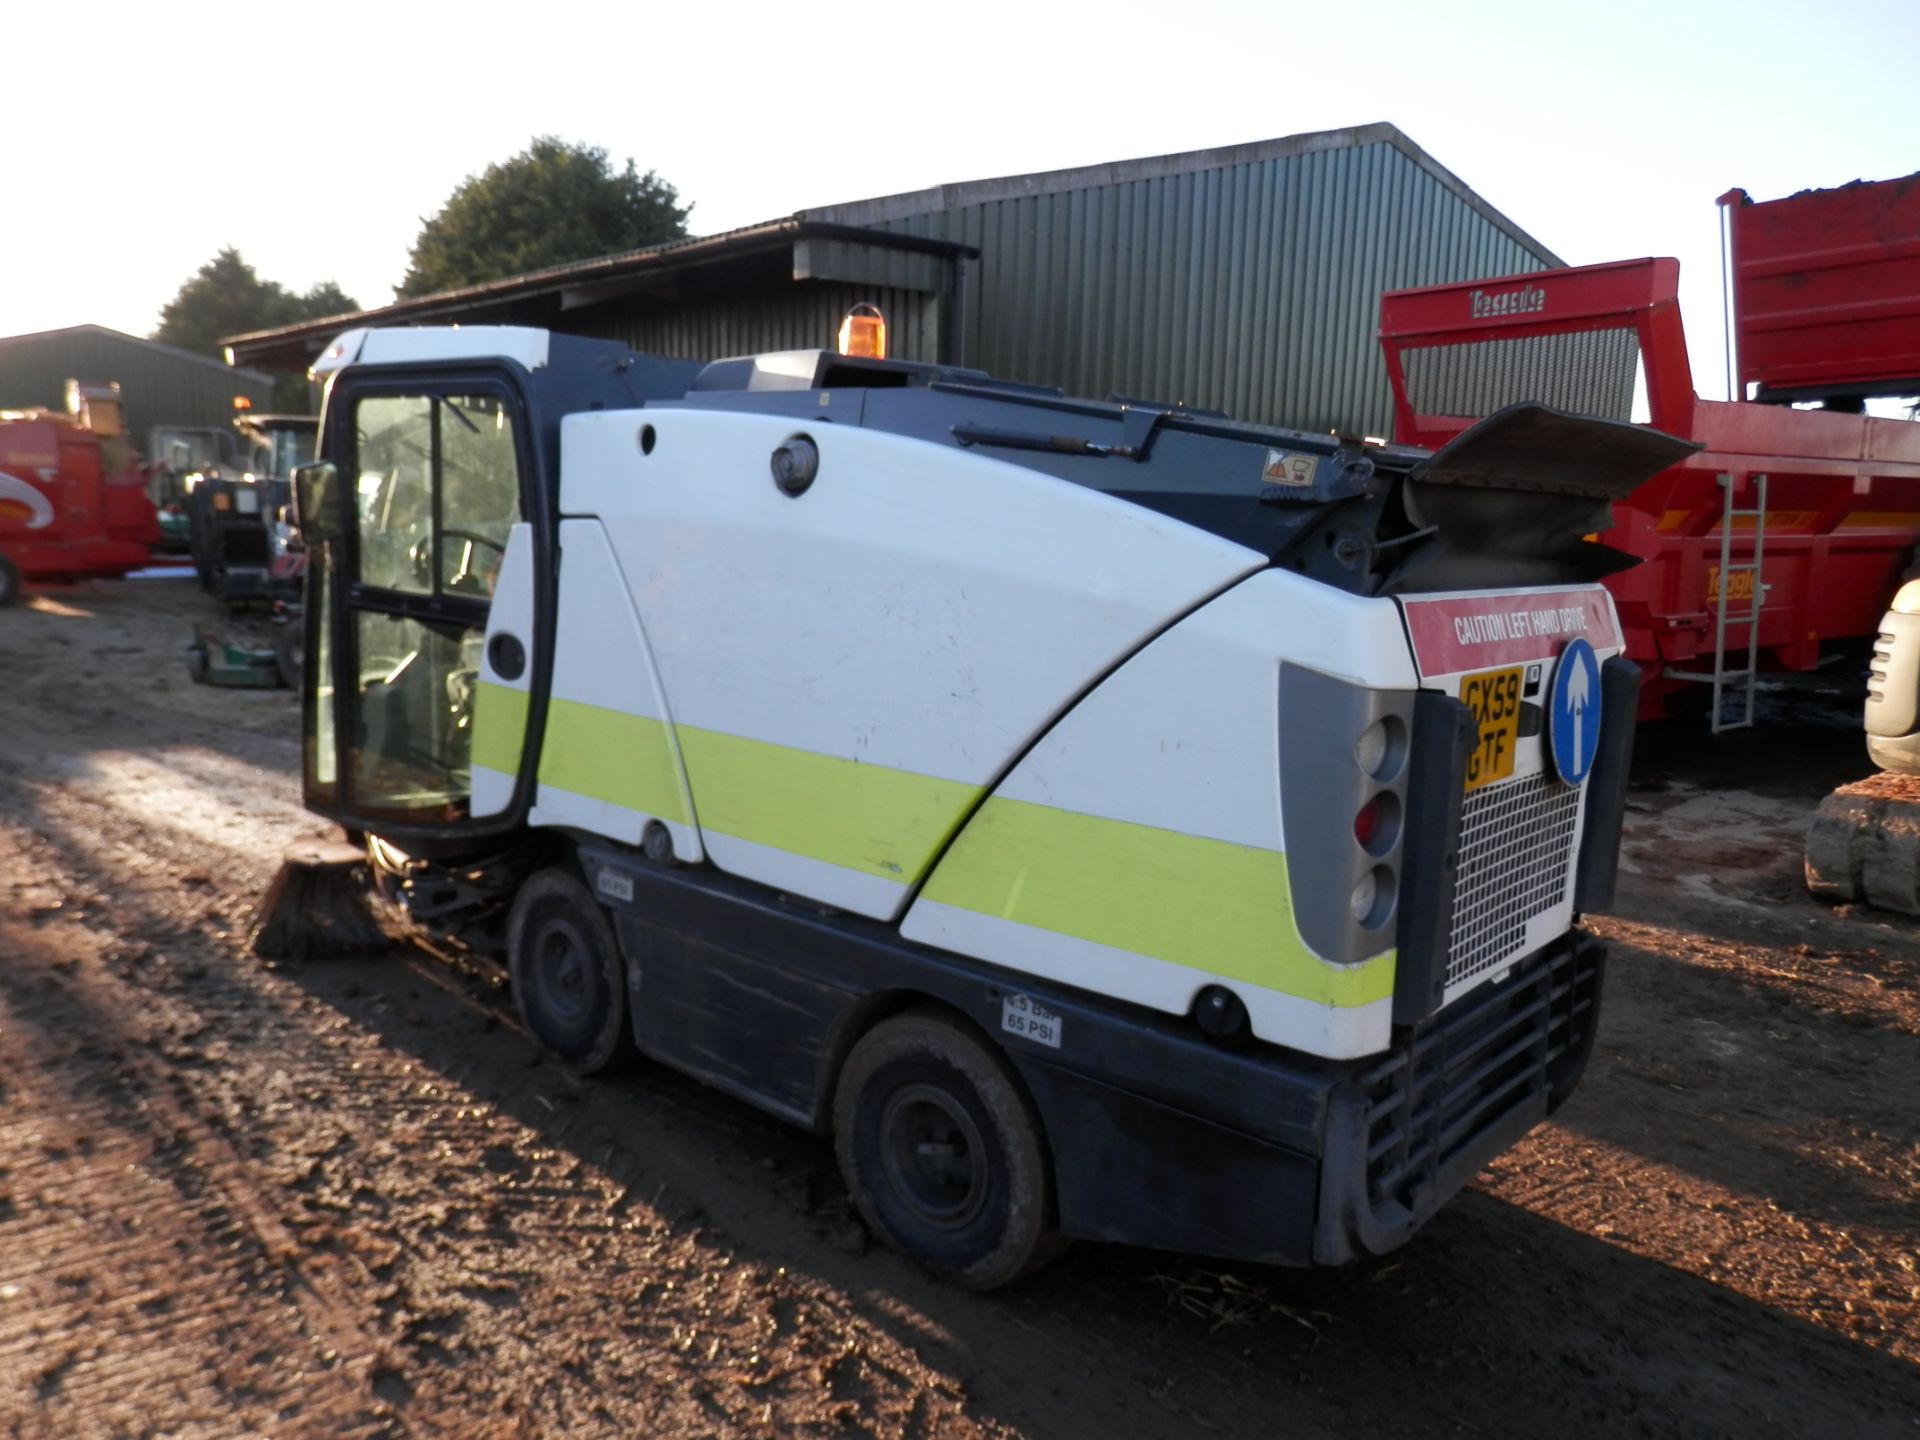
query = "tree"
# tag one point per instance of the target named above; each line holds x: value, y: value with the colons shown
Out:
x: 553, y: 203
x: 227, y: 298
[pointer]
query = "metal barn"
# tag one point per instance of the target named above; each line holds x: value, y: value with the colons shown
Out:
x: 1245, y: 279
x: 159, y: 384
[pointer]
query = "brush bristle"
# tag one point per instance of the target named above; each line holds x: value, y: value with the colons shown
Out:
x: 317, y: 907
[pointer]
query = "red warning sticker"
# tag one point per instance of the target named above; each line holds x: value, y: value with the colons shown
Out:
x: 1456, y: 633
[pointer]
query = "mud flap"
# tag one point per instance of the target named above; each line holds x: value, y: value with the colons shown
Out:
x: 1513, y: 500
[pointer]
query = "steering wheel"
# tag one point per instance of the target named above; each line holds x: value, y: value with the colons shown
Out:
x: 464, y: 578
x: 475, y: 537
x: 422, y: 557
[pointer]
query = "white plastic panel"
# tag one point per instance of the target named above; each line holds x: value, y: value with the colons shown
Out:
x: 920, y: 607
x: 419, y: 344
x: 1339, y: 1033
x: 512, y: 614
x: 1184, y: 738
x: 602, y: 668
x: 840, y: 886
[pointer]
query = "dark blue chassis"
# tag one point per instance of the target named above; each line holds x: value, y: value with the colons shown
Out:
x: 1158, y: 1136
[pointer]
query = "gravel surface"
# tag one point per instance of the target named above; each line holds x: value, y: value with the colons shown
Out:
x: 348, y: 1199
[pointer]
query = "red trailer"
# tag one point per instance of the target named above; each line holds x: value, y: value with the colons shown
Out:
x: 1826, y: 291
x: 1787, y: 532
x: 73, y: 503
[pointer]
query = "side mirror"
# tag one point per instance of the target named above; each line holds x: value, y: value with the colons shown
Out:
x: 316, y: 502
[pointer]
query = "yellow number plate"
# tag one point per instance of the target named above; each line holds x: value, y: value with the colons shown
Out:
x: 1494, y: 698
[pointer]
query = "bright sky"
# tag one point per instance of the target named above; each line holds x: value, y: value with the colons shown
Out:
x: 141, y: 139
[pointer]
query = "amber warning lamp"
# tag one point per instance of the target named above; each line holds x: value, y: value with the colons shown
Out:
x: 863, y: 334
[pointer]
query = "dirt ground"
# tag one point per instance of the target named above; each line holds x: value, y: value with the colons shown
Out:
x: 347, y: 1199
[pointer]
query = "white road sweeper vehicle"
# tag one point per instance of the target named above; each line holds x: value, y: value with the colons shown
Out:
x: 1104, y: 819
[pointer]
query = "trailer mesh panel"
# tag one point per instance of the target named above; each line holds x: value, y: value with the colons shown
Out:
x: 1516, y: 854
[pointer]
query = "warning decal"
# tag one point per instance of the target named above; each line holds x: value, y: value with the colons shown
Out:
x: 1287, y: 469
x: 1456, y: 633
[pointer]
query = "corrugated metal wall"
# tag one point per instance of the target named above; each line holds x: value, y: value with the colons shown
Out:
x: 798, y: 316
x: 158, y: 384
x: 1252, y: 288
x: 1592, y: 372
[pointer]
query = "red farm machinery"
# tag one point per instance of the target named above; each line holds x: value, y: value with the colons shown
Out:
x: 1788, y: 532
x: 73, y: 498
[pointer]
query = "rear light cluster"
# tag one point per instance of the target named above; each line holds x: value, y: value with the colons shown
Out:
x: 1345, y: 762
x: 1381, y: 754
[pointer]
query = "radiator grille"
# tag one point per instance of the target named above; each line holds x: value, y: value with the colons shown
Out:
x: 1516, y: 849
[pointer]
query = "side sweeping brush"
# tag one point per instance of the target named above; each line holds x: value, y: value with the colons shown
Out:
x: 320, y: 904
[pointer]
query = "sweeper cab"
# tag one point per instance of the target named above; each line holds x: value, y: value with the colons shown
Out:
x: 1103, y: 819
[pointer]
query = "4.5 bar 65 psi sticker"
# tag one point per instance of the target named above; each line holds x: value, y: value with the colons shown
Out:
x: 1026, y: 1017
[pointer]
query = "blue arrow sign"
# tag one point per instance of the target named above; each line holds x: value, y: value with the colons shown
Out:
x: 1573, y: 711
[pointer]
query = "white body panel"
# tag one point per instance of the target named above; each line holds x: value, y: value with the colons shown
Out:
x: 512, y: 613
x: 1336, y: 1032
x: 920, y: 609
x: 1183, y: 739
x: 601, y: 662
x: 406, y: 344
x: 840, y: 886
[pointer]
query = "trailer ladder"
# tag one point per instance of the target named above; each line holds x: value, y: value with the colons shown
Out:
x: 1747, y: 674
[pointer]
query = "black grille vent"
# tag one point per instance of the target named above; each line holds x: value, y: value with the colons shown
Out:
x: 1877, y: 670
x: 1479, y: 1075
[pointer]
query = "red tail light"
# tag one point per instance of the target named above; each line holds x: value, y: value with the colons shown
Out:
x: 1366, y: 824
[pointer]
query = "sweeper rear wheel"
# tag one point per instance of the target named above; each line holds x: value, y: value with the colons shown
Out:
x: 942, y: 1151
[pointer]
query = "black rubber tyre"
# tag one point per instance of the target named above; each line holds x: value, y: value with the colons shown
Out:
x: 942, y: 1152
x: 569, y: 980
x: 9, y: 582
x: 290, y: 653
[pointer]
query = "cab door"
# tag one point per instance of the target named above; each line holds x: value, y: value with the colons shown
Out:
x: 427, y: 492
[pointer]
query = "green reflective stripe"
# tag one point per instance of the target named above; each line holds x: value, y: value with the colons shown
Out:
x: 499, y: 727
x: 864, y: 817
x: 608, y: 755
x: 1204, y: 904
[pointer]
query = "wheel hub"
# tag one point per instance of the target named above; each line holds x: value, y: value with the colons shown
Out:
x: 560, y: 963
x: 934, y: 1156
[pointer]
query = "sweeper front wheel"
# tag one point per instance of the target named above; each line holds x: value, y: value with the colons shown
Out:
x: 9, y: 582
x: 569, y: 980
